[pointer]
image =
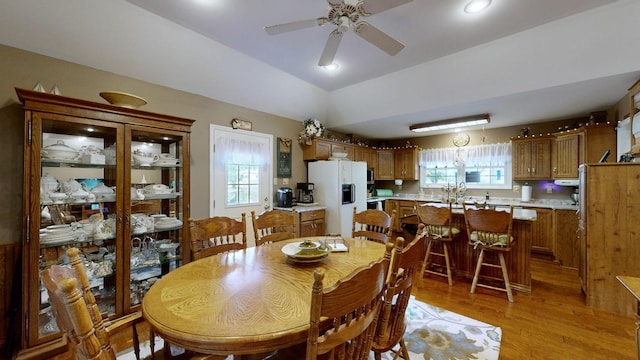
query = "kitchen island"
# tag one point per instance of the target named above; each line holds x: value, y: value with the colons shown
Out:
x: 464, y: 256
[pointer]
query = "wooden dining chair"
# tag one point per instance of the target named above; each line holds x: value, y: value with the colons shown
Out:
x: 343, y: 317
x: 77, y: 313
x: 491, y: 232
x: 440, y: 233
x: 406, y: 262
x: 216, y: 235
x: 372, y: 224
x: 273, y: 226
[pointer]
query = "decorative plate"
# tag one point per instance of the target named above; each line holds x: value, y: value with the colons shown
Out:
x: 122, y: 99
x: 295, y: 254
x: 461, y: 139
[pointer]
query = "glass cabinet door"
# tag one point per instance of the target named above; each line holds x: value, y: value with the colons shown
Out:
x: 78, y: 207
x: 156, y: 223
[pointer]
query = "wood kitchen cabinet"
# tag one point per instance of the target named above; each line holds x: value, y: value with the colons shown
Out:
x: 311, y: 223
x: 406, y: 164
x: 368, y: 155
x: 609, y: 227
x: 531, y: 158
x: 402, y: 208
x: 321, y: 149
x: 542, y: 231
x: 566, y: 238
x: 583, y: 145
x: 566, y: 156
x: 385, y: 169
x: 140, y: 163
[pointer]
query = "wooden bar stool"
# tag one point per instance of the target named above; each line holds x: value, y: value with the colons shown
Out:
x: 491, y: 232
x: 437, y: 221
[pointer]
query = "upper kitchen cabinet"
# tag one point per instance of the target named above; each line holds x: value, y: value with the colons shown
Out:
x: 532, y: 158
x: 406, y: 164
x: 368, y: 155
x: 321, y: 149
x: 111, y: 181
x: 583, y: 145
x: 385, y: 169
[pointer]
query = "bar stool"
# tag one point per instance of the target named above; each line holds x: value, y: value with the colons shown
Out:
x: 491, y: 232
x: 437, y: 221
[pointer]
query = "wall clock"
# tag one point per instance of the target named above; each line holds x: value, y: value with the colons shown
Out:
x: 461, y: 139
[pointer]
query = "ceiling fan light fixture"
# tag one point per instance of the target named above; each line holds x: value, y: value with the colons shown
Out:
x: 476, y: 6
x: 451, y: 123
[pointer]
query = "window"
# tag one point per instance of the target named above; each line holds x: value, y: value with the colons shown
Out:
x: 478, y: 167
x: 243, y: 184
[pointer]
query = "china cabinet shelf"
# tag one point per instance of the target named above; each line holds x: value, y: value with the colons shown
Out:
x: 71, y: 147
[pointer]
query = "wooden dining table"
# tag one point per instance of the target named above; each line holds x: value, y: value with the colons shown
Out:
x: 249, y: 301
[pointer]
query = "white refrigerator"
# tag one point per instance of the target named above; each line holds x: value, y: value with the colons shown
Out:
x: 339, y: 185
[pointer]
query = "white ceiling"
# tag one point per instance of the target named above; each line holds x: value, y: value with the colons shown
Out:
x: 521, y: 61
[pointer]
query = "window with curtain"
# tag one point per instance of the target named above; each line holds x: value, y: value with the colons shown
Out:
x: 242, y: 161
x: 479, y: 167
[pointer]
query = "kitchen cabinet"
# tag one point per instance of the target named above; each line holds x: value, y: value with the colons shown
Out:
x: 321, y: 149
x: 542, y: 231
x: 311, y: 223
x: 566, y: 238
x: 531, y: 158
x: 608, y: 229
x: 111, y: 181
x: 385, y: 169
x: 583, y: 145
x: 406, y: 164
x: 368, y: 155
x: 566, y: 156
x: 402, y: 208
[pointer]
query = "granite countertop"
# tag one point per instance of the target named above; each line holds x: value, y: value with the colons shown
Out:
x: 535, y: 203
x: 302, y: 208
x: 518, y: 213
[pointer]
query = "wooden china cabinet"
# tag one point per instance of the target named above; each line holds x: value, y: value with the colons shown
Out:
x: 94, y: 174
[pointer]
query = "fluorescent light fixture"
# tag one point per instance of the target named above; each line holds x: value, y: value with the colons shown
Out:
x: 475, y: 6
x: 451, y: 123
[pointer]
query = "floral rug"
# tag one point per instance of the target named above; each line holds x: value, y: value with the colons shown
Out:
x: 438, y: 334
x: 432, y: 333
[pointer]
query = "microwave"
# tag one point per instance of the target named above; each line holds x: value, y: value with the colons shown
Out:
x: 348, y: 193
x: 370, y: 176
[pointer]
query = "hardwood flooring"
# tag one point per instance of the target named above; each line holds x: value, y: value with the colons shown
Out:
x: 552, y: 322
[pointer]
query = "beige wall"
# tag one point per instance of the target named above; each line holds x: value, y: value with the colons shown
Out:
x: 24, y: 69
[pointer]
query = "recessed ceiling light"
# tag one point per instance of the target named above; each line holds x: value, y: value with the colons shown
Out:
x: 331, y: 67
x: 475, y: 6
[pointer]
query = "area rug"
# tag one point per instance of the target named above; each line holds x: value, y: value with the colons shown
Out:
x: 432, y: 333
x: 439, y: 334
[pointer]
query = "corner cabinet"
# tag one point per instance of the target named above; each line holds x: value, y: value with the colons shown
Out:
x: 111, y: 181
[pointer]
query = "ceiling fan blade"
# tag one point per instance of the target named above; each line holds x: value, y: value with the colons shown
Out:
x: 293, y: 26
x: 334, y: 2
x: 330, y: 49
x: 378, y: 38
x: 370, y: 7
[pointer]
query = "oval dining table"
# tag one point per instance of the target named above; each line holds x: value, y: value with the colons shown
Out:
x: 251, y: 301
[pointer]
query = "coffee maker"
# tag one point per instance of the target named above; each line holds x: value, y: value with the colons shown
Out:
x: 305, y: 192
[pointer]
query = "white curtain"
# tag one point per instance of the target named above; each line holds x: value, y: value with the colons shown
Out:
x: 235, y: 151
x: 479, y: 155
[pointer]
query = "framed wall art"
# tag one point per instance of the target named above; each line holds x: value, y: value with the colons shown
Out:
x: 284, y: 157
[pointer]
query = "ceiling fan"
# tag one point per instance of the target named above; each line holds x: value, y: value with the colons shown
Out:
x: 346, y: 14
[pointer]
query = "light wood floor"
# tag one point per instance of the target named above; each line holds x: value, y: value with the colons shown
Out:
x: 552, y: 322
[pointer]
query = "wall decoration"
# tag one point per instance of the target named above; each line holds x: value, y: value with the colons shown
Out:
x: 284, y: 157
x: 241, y: 124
